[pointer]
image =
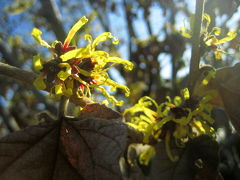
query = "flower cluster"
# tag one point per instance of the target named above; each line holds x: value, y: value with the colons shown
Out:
x: 209, y: 40
x: 73, y: 71
x: 171, y: 119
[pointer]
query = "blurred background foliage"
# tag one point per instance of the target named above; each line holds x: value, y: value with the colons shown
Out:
x: 149, y: 37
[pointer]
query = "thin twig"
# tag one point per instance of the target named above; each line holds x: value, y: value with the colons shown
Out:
x: 8, y: 55
x: 62, y: 109
x: 195, y: 57
x: 130, y: 30
x: 17, y: 73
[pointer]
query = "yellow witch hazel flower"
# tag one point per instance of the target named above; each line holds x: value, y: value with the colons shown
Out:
x: 183, y: 122
x: 209, y: 40
x: 73, y: 71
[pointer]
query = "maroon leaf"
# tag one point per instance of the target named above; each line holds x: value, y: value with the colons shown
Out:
x: 231, y: 105
x: 94, y: 146
x: 100, y: 111
x: 198, y: 160
x: 29, y: 154
x: 72, y: 148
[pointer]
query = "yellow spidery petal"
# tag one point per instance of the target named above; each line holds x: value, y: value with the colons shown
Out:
x: 148, y: 119
x: 67, y: 92
x: 185, y: 93
x: 210, y: 75
x: 216, y: 31
x: 133, y: 125
x: 75, y: 76
x: 183, y: 32
x: 127, y: 64
x: 105, y: 102
x: 110, y: 97
x: 36, y: 33
x: 76, y: 53
x: 69, y: 86
x: 53, y: 44
x: 84, y: 72
x: 39, y: 82
x: 88, y: 37
x: 177, y: 100
x: 151, y: 101
x: 106, y: 69
x: 59, y: 89
x: 184, y: 120
x: 101, y: 57
x: 218, y: 55
x: 159, y: 124
x: 37, y: 62
x: 146, y: 156
x: 74, y: 29
x: 115, y: 85
x: 102, y: 37
x: 63, y: 75
x: 168, y: 149
x: 198, y: 125
x: 230, y: 36
x: 208, y: 20
x: 100, y: 54
x: 148, y: 133
x: 116, y: 41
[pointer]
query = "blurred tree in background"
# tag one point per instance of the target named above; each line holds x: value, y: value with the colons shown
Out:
x: 149, y: 37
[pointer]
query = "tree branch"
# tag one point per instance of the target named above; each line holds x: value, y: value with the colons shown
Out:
x: 147, y: 17
x: 100, y: 15
x: 195, y: 57
x: 5, y: 118
x: 51, y: 13
x: 7, y: 55
x: 17, y: 73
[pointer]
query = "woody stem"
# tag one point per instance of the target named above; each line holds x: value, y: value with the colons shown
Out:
x: 195, y: 57
x: 17, y: 73
x: 63, y: 105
